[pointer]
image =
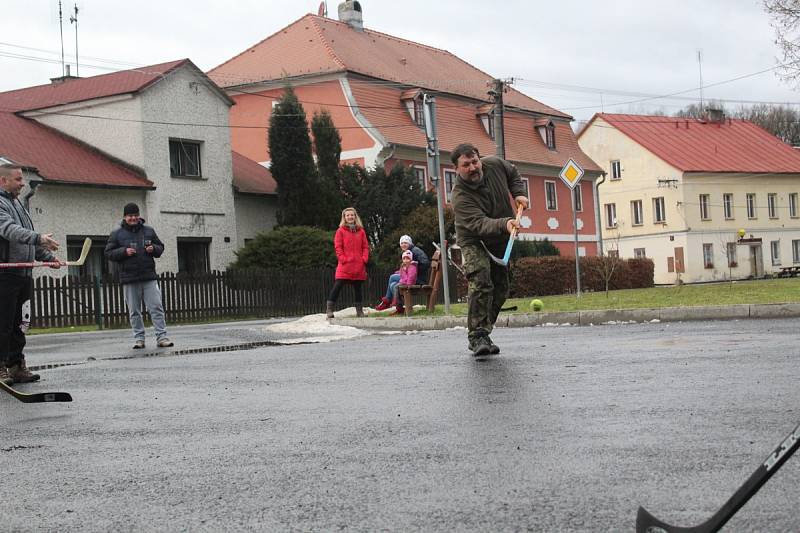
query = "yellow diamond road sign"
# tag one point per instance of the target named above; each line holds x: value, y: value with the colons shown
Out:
x: 571, y: 174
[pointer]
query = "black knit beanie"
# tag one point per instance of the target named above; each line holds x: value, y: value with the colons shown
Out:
x: 131, y: 209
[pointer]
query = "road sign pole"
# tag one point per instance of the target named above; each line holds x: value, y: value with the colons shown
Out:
x: 577, y: 255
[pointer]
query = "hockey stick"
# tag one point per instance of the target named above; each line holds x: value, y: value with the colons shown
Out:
x: 39, y: 397
x: 647, y: 523
x: 87, y: 245
x: 507, y: 255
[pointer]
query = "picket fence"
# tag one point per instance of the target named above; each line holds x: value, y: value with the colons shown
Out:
x: 72, y: 301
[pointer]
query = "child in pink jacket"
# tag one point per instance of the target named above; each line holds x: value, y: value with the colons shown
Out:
x: 408, y: 275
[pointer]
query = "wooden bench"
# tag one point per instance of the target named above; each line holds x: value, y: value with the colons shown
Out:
x: 429, y: 290
x: 789, y: 272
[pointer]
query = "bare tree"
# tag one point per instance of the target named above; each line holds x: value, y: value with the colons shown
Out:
x: 609, y: 261
x: 785, y: 18
x: 780, y: 120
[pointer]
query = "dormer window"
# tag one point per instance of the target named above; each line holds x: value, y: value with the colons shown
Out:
x: 486, y: 115
x: 412, y: 98
x: 547, y: 130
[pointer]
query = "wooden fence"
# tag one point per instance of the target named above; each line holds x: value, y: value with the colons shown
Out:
x: 72, y: 301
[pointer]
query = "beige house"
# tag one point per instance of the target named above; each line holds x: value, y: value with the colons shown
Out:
x: 707, y: 200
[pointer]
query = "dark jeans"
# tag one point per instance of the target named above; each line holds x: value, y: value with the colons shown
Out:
x: 339, y: 283
x: 14, y: 292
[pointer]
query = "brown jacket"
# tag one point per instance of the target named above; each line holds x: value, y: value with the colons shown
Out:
x: 483, y: 209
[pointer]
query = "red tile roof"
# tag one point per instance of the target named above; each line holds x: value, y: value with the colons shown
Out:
x: 458, y: 122
x: 251, y: 177
x: 81, y: 89
x: 319, y: 45
x: 60, y: 158
x: 693, y: 146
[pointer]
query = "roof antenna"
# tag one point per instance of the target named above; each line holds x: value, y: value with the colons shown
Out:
x: 74, y: 19
x: 61, y: 29
x: 700, y: 65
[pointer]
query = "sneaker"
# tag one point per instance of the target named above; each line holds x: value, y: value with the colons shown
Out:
x: 383, y: 305
x: 4, y: 376
x: 165, y: 343
x: 20, y: 373
x: 493, y: 348
x: 138, y: 345
x: 398, y: 310
x: 481, y: 347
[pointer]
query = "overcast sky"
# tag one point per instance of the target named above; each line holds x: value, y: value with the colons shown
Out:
x: 579, y: 56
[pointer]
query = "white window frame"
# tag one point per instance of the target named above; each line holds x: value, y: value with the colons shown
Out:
x: 639, y: 253
x: 185, y: 146
x: 752, y: 207
x: 578, y: 192
x: 705, y: 210
x: 450, y: 177
x: 527, y: 185
x: 422, y: 172
x: 775, y: 252
x: 730, y: 252
x: 796, y: 251
x: 550, y: 196
x: 727, y: 205
x: 793, y: 205
x: 659, y: 210
x: 611, y: 215
x: 616, y: 170
x: 637, y: 214
x: 772, y: 205
x: 708, y: 255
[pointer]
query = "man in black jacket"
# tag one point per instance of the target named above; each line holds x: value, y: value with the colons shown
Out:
x: 135, y: 246
x: 19, y: 243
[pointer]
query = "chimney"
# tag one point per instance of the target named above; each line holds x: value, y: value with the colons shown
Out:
x: 350, y: 14
x: 716, y: 115
x: 66, y: 77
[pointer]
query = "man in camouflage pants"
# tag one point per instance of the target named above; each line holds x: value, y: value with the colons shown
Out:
x: 484, y: 219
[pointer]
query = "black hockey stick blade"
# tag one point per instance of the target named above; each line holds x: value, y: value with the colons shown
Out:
x: 38, y: 397
x: 647, y: 523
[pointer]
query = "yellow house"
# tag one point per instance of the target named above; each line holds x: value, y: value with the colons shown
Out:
x: 706, y: 200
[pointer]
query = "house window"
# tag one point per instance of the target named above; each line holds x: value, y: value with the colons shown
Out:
x: 96, y: 265
x: 449, y: 182
x: 184, y: 158
x: 772, y: 205
x: 775, y: 252
x: 527, y: 188
x: 550, y: 136
x: 793, y: 205
x: 611, y: 215
x: 616, y: 170
x: 730, y: 249
x: 420, y: 173
x: 193, y: 255
x: 796, y: 251
x: 659, y: 213
x: 708, y: 255
x: 727, y: 205
x: 614, y: 254
x: 419, y: 114
x: 751, y: 205
x: 636, y: 213
x: 578, y: 197
x: 550, y: 195
x: 490, y: 125
x: 704, y: 211
x: 639, y: 253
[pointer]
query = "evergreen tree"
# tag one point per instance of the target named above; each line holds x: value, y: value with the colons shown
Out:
x: 292, y: 163
x: 328, y: 147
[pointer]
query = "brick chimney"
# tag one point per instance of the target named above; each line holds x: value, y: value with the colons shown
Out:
x: 350, y: 13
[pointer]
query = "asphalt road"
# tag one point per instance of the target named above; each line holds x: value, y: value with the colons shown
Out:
x: 570, y: 429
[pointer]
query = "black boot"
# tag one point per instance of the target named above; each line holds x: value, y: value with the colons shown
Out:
x: 329, y: 309
x: 359, y: 310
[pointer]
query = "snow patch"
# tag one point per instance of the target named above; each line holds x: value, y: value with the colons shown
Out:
x: 316, y: 328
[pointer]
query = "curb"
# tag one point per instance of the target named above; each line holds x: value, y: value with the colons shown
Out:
x: 582, y: 318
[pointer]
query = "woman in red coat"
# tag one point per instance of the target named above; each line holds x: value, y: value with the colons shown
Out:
x: 352, y: 251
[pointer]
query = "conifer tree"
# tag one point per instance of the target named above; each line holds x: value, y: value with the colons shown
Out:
x: 328, y: 147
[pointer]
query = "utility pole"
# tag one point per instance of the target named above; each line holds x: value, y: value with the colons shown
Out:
x: 61, y: 30
x: 496, y: 92
x: 74, y: 19
x: 429, y: 110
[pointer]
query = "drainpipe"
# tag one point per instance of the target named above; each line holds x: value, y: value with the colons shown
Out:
x: 597, y: 216
x: 32, y: 184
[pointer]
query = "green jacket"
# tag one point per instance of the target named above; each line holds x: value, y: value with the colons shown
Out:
x: 483, y: 209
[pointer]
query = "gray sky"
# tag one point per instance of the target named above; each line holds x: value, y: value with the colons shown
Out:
x: 602, y: 50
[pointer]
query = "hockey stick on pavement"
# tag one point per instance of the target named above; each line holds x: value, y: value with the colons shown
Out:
x: 647, y: 523
x: 507, y: 255
x: 87, y: 245
x: 38, y: 397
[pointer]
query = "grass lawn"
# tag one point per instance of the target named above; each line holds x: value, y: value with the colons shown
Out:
x: 724, y: 293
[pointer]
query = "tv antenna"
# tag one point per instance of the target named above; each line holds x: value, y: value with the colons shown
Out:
x: 74, y: 20
x: 61, y: 30
x: 700, y: 65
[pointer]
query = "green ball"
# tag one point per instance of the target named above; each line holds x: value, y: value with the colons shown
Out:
x: 536, y: 304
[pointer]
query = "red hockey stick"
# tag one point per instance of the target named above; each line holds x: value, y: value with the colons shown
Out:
x: 87, y: 244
